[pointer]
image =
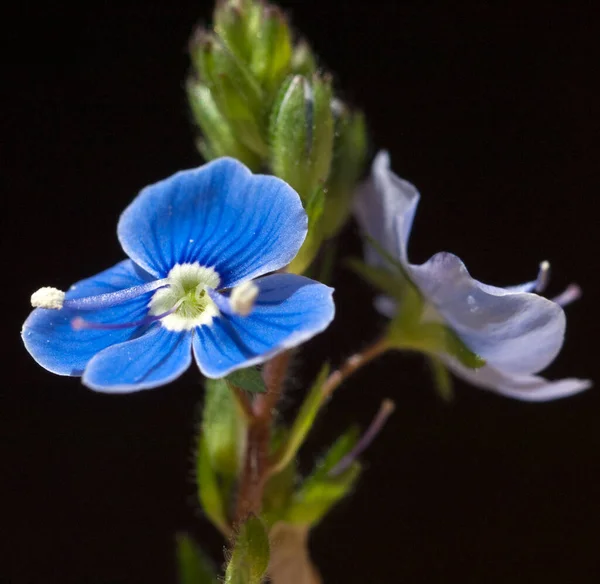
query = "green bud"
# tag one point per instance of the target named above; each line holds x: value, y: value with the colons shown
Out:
x: 349, y: 156
x: 224, y: 427
x: 272, y: 49
x: 231, y: 24
x: 303, y: 60
x: 234, y: 90
x: 194, y: 567
x: 250, y: 554
x: 218, y: 139
x: 301, y: 131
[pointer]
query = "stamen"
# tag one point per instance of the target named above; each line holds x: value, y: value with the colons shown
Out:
x: 243, y: 297
x: 240, y: 302
x: 386, y: 409
x: 80, y: 324
x: 111, y: 299
x: 48, y: 297
x: 543, y: 276
x: 572, y: 293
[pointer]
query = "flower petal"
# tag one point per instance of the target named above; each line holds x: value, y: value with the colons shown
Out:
x: 517, y: 332
x: 56, y: 346
x: 385, y: 208
x: 157, y: 357
x: 288, y: 311
x: 523, y: 387
x: 220, y: 215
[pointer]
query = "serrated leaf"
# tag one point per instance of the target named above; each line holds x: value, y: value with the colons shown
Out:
x: 194, y: 567
x: 249, y: 379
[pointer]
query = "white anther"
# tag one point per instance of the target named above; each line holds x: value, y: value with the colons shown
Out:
x: 243, y: 297
x: 543, y: 276
x: 48, y: 297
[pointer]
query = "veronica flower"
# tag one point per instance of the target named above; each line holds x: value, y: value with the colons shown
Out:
x: 198, y: 244
x: 517, y: 332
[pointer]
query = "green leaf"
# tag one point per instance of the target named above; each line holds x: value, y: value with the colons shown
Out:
x: 209, y: 494
x: 303, y: 422
x: 249, y: 379
x: 320, y: 491
x: 250, y: 555
x: 224, y: 428
x: 194, y: 567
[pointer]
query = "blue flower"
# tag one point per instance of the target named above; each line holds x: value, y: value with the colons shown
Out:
x: 517, y: 332
x: 196, y: 242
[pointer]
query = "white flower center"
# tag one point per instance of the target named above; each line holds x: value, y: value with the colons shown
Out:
x: 186, y: 294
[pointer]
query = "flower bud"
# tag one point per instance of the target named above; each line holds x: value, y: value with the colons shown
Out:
x: 235, y: 92
x: 301, y: 132
x: 218, y: 138
x: 349, y: 155
x: 303, y: 59
x: 272, y: 49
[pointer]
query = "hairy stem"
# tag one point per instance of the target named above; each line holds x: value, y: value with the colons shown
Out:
x: 256, y: 464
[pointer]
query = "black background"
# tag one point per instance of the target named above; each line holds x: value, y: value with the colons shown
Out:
x: 491, y: 110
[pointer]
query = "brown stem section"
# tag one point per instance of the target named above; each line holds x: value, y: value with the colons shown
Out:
x: 350, y: 365
x: 256, y: 464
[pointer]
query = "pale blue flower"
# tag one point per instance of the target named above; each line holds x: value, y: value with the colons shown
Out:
x: 196, y: 242
x: 517, y: 332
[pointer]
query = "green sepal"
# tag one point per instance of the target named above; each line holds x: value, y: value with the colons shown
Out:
x: 235, y: 92
x: 231, y: 24
x: 303, y: 60
x: 272, y: 49
x: 321, y: 148
x: 224, y: 427
x: 321, y: 491
x: 301, y: 133
x: 310, y: 248
x: 249, y: 558
x: 288, y: 131
x: 349, y: 156
x: 209, y: 493
x: 194, y: 566
x: 249, y: 379
x: 218, y: 136
x: 382, y: 279
x: 441, y: 378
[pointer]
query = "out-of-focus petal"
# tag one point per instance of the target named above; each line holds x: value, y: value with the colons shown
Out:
x: 519, y: 333
x: 524, y: 387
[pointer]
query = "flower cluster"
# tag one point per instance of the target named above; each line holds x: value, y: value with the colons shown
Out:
x: 514, y: 330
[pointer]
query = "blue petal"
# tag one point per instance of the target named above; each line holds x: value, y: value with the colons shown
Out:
x: 289, y: 310
x: 516, y: 332
x: 523, y: 387
x: 220, y: 215
x: 53, y: 343
x: 385, y: 208
x: 157, y: 357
